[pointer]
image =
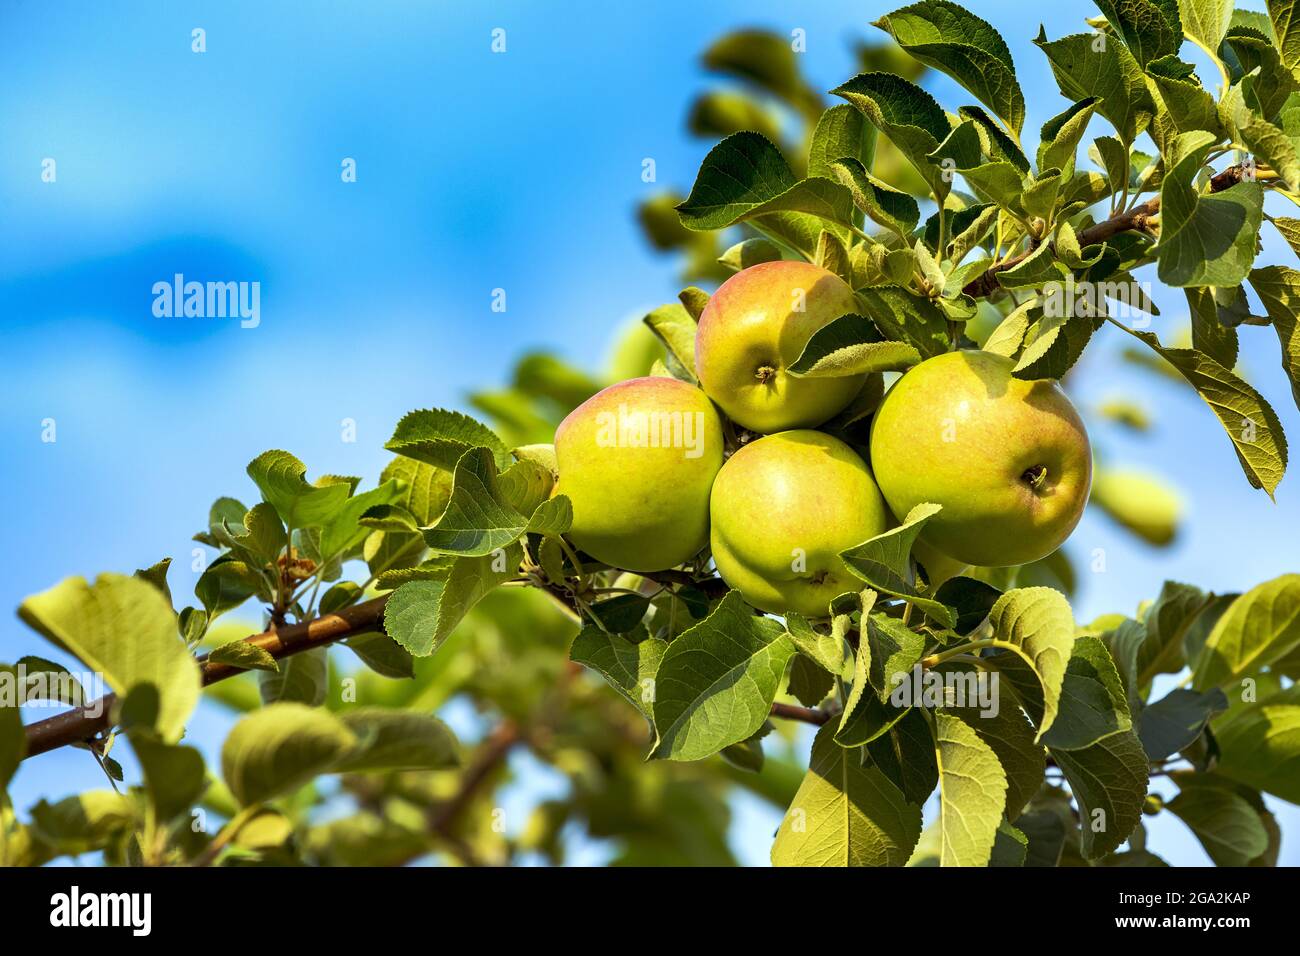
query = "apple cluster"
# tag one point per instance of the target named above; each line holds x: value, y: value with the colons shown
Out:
x: 644, y: 462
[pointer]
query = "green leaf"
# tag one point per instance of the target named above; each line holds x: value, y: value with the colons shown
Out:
x: 1286, y: 25
x: 908, y: 115
x: 227, y: 583
x: 396, y: 740
x: 244, y: 654
x: 905, y: 755
x: 1037, y: 269
x: 893, y: 650
x: 716, y: 682
x: 478, y: 519
x: 1009, y: 335
x: 175, y: 776
x: 845, y: 814
x: 1249, y: 420
x: 745, y: 176
x: 302, y: 678
x: 525, y: 486
x: 621, y: 613
x: 553, y: 516
x: 904, y: 316
x: 1094, y: 703
x: 1143, y: 504
x: 851, y: 345
x: 808, y: 683
x: 764, y: 59
x: 156, y: 575
x: 342, y: 532
x: 1085, y: 65
x: 717, y: 113
x: 629, y: 667
x: 1060, y: 136
x: 750, y: 252
x: 1109, y: 781
x: 1209, y: 334
x: 1278, y: 288
x: 1260, y: 627
x: 1045, y: 832
x: 1205, y: 21
x: 281, y: 479
x: 1010, y: 846
x: 868, y: 711
x: 1037, y: 625
x: 440, y: 438
x: 828, y: 650
x: 1173, y: 722
x: 281, y: 747
x: 89, y: 621
x: 261, y: 534
x: 1260, y: 747
x: 956, y: 42
x: 887, y: 207
x: 382, y: 655
x: 1167, y: 622
x: 842, y: 133
x: 676, y: 328
x: 1007, y: 732
x: 1183, y: 106
x: 83, y: 823
x: 970, y: 598
x: 1205, y: 239
x: 973, y: 793
x: 421, y: 613
x: 1226, y: 824
x: 883, y: 563
x: 1150, y: 28
x: 13, y: 739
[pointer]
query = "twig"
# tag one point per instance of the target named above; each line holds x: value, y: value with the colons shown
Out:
x: 808, y: 715
x: 85, y: 722
x: 986, y: 283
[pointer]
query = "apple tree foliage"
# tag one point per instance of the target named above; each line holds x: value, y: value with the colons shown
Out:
x: 452, y: 578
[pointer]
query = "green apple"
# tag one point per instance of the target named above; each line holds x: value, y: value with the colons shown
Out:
x: 755, y: 326
x: 1008, y: 460
x: 783, y: 508
x: 637, y: 461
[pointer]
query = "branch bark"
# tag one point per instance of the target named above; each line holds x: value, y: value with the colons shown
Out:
x: 809, y: 715
x: 986, y: 283
x: 77, y: 726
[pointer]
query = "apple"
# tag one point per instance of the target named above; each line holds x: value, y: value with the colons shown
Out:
x: 783, y: 508
x: 637, y: 460
x: 1009, y: 460
x: 755, y: 326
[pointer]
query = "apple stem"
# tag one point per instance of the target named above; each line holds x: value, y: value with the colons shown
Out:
x: 1034, y: 476
x: 935, y: 659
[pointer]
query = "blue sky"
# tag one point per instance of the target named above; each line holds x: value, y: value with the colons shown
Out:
x: 475, y: 171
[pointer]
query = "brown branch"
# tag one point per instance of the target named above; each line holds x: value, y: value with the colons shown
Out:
x: 1137, y: 218
x: 809, y: 715
x: 80, y: 725
x: 492, y: 752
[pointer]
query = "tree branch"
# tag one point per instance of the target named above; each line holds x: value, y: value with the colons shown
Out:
x: 986, y: 283
x: 809, y: 715
x: 77, y: 726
